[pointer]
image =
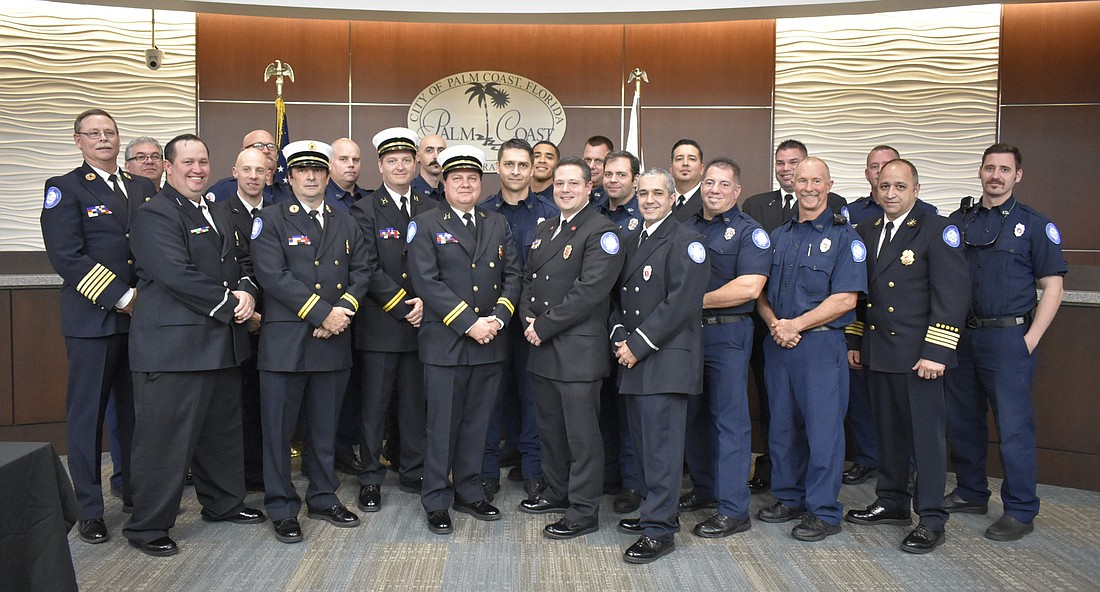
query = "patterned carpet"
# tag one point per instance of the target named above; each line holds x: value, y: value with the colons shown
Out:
x: 393, y: 550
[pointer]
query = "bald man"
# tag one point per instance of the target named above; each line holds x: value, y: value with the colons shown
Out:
x: 343, y: 189
x: 427, y: 182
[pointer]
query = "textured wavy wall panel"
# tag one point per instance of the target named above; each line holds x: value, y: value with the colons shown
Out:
x: 922, y: 81
x: 59, y: 59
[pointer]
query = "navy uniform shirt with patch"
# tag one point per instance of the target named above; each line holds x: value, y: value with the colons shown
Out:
x: 1004, y: 273
x: 737, y: 246
x: 337, y: 197
x: 865, y: 208
x: 628, y: 217
x: 522, y: 218
x: 421, y: 186
x: 812, y: 261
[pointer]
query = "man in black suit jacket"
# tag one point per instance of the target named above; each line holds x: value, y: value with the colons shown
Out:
x: 85, y: 224
x: 687, y: 170
x: 657, y: 334
x: 187, y: 341
x: 250, y: 171
x: 906, y: 335
x: 385, y: 328
x: 771, y: 209
x: 312, y: 263
x: 464, y: 266
x: 567, y: 284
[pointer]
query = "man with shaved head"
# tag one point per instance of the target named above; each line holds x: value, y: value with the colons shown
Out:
x: 343, y: 189
x: 428, y: 181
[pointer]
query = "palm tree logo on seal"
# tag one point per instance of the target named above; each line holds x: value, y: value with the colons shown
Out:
x: 485, y: 93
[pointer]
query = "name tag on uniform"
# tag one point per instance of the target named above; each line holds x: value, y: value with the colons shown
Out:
x: 389, y: 233
x: 200, y: 230
x: 442, y: 238
x: 100, y: 210
x: 298, y: 239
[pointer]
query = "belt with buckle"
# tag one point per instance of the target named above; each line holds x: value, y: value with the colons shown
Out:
x: 1011, y: 321
x: 723, y: 319
x: 821, y: 328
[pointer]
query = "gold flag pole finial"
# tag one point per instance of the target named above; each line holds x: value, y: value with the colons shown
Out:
x: 278, y: 69
x: 637, y: 76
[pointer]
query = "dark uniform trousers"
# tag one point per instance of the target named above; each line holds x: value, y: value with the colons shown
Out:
x: 305, y: 273
x: 567, y: 282
x: 185, y: 349
x: 660, y: 301
x: 461, y: 277
x: 391, y: 375
x: 84, y: 228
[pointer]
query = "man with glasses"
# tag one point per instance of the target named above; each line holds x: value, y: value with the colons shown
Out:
x: 145, y: 158
x: 263, y: 141
x: 1010, y: 247
x: 85, y: 227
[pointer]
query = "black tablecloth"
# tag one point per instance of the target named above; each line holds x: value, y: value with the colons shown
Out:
x: 37, y: 510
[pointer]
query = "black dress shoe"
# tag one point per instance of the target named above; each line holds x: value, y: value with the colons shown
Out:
x: 482, y: 510
x: 1007, y: 528
x: 813, y: 529
x: 693, y: 500
x: 647, y: 550
x: 876, y: 514
x: 288, y: 530
x: 410, y: 485
x: 954, y: 503
x: 631, y: 526
x: 541, y: 505
x: 628, y: 500
x: 922, y: 540
x: 565, y: 529
x: 370, y: 498
x: 777, y: 513
x: 719, y: 525
x: 93, y: 531
x: 758, y: 485
x: 534, y: 487
x: 515, y: 474
x: 490, y: 486
x: 338, y: 515
x: 439, y: 522
x: 349, y: 463
x: 162, y: 547
x: 245, y: 516
x: 857, y: 474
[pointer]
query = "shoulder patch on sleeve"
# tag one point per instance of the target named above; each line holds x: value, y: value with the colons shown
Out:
x: 53, y: 197
x: 761, y: 239
x: 1052, y: 233
x: 411, y: 232
x: 697, y: 252
x: 951, y: 236
x: 257, y: 226
x: 859, y: 251
x: 609, y: 242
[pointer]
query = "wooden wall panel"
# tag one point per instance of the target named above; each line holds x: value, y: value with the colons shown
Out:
x: 1065, y: 382
x: 730, y: 63
x: 393, y: 62
x: 1049, y: 53
x: 232, y: 52
x: 40, y: 369
x: 7, y: 403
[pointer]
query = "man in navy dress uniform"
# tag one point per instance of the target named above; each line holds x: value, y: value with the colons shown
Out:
x: 186, y: 346
x: 311, y: 261
x: 386, y: 327
x: 905, y: 338
x: 1010, y: 248
x: 85, y: 227
x: 816, y: 277
x: 574, y: 261
x: 657, y: 335
x: 464, y: 266
x: 719, y: 442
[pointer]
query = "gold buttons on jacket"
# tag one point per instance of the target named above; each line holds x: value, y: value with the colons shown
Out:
x: 317, y: 286
x: 891, y: 284
x: 316, y: 263
x: 890, y: 309
x: 339, y: 286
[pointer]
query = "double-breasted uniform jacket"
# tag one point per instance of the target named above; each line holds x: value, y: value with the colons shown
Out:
x: 85, y: 228
x: 658, y: 311
x: 380, y: 325
x: 304, y: 274
x: 767, y: 208
x: 567, y: 287
x: 918, y: 294
x: 183, y: 315
x: 460, y: 279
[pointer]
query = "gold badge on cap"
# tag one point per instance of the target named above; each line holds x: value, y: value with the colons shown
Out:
x: 911, y: 222
x: 293, y: 208
x: 568, y: 251
x: 90, y: 176
x: 312, y: 145
x: 907, y: 257
x: 729, y: 233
